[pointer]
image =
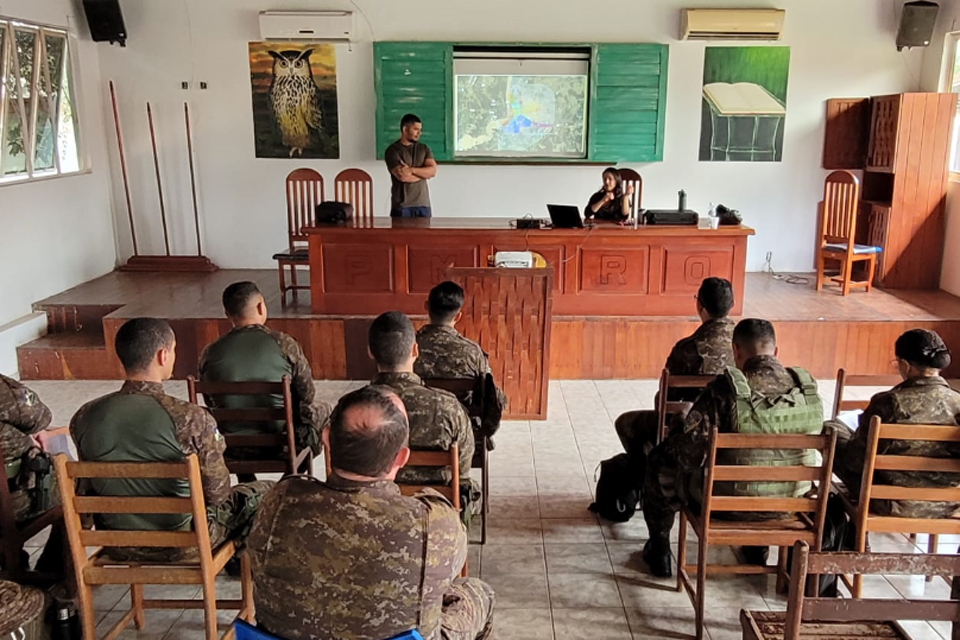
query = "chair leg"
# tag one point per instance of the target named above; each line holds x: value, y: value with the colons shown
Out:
x: 681, y: 550
x: 932, y: 549
x: 871, y: 271
x: 283, y: 284
x: 783, y: 580
x: 485, y: 496
x: 846, y: 275
x: 701, y: 585
x: 293, y: 283
x: 136, y: 603
x: 88, y: 618
x: 210, y: 607
x: 820, y: 269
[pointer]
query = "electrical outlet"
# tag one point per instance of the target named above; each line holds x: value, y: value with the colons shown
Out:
x: 203, y: 86
x: 185, y: 86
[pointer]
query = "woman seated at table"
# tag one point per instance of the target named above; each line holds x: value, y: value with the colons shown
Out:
x: 611, y: 202
x: 923, y: 397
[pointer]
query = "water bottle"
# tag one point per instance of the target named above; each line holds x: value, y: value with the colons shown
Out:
x: 67, y: 624
x: 682, y: 200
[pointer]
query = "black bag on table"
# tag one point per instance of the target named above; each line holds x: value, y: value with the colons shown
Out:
x: 331, y: 212
x: 618, y: 490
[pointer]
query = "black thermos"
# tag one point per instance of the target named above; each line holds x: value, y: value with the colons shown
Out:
x: 682, y: 201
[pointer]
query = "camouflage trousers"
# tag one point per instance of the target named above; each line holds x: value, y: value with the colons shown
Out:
x: 467, y: 610
x: 313, y: 418
x: 229, y: 520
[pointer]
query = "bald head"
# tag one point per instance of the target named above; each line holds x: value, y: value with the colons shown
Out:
x: 368, y: 431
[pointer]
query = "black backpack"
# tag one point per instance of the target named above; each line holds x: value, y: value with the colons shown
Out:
x: 618, y: 490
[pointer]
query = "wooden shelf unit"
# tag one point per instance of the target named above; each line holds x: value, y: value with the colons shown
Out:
x: 904, y: 179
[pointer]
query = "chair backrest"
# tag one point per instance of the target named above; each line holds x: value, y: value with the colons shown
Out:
x: 462, y: 388
x: 8, y: 519
x: 871, y: 489
x: 805, y: 562
x: 449, y: 458
x: 267, y: 416
x: 304, y: 189
x: 845, y: 380
x: 356, y: 187
x: 841, y: 201
x: 76, y: 507
x: 629, y: 176
x: 811, y: 511
x: 665, y: 406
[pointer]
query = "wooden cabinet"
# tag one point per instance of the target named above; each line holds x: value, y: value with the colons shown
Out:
x: 846, y: 135
x: 904, y: 180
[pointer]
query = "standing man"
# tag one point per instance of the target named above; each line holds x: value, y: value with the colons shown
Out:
x: 410, y: 164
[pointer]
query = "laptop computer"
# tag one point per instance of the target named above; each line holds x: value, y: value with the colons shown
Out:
x: 565, y: 216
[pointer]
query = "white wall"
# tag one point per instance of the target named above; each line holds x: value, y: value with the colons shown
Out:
x: 57, y: 233
x: 839, y: 49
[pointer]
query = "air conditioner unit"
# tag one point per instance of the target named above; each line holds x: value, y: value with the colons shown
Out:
x: 732, y: 24
x: 318, y: 26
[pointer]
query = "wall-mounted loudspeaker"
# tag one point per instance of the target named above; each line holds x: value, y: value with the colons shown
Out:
x: 106, y: 21
x: 916, y: 24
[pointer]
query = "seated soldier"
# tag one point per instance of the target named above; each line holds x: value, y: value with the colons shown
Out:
x: 922, y: 398
x: 437, y: 419
x: 22, y: 417
x: 141, y: 423
x: 353, y: 558
x: 706, y: 352
x: 759, y: 395
x: 252, y: 352
x: 444, y: 353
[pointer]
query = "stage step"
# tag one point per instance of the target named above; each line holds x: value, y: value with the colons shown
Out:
x: 76, y: 318
x: 67, y: 356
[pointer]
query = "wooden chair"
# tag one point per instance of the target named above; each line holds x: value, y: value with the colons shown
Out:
x: 14, y: 535
x: 845, y: 380
x: 838, y: 227
x: 293, y: 461
x: 356, y: 187
x: 449, y: 458
x: 461, y: 387
x: 870, y: 489
x: 99, y: 569
x: 627, y: 177
x: 665, y: 406
x: 304, y: 191
x: 802, y: 517
x: 858, y: 619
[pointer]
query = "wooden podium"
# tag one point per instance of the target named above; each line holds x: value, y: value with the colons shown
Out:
x: 509, y: 312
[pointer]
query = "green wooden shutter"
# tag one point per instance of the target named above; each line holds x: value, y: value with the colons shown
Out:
x: 414, y: 77
x: 627, y: 102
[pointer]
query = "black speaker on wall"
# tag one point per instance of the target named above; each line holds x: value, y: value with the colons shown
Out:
x: 105, y: 20
x: 916, y: 24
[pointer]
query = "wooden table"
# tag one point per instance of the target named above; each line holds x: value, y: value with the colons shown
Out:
x: 367, y: 267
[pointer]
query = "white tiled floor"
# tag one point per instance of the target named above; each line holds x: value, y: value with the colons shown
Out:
x: 558, y: 571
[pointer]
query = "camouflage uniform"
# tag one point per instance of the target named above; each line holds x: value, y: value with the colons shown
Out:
x: 141, y: 423
x: 358, y: 560
x: 707, y: 352
x: 255, y: 352
x: 22, y: 414
x: 444, y: 353
x: 437, y: 421
x: 914, y: 401
x: 674, y: 469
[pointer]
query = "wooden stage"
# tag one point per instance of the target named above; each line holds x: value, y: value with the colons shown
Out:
x: 821, y: 331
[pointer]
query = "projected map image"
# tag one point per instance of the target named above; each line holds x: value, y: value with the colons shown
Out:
x: 513, y: 115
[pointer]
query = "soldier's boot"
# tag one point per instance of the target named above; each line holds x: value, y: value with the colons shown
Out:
x: 756, y: 555
x: 656, y: 553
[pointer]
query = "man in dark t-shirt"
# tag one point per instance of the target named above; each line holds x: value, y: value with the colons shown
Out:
x: 410, y: 164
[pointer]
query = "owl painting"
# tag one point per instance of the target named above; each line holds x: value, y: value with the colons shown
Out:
x: 294, y: 100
